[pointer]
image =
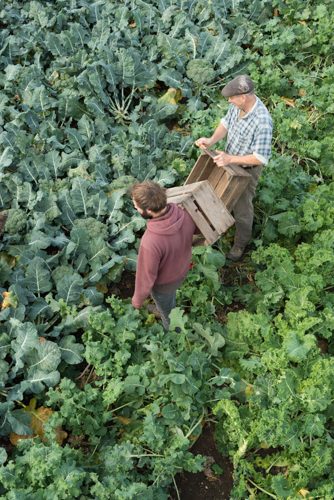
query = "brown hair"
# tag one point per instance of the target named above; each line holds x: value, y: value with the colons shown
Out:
x: 149, y: 195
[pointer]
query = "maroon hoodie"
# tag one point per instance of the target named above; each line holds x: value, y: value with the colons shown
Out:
x: 164, y: 252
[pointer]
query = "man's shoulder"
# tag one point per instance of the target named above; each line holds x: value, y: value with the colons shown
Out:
x: 262, y: 114
x: 261, y: 107
x: 150, y: 242
x: 232, y: 110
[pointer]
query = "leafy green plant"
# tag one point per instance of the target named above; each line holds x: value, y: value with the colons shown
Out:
x: 93, y: 97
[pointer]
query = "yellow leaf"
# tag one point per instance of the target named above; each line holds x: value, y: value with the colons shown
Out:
x: 124, y: 420
x: 32, y: 405
x: 9, y: 300
x: 39, y: 417
x: 54, y: 75
x: 60, y: 435
x: 193, y: 437
x: 303, y: 492
x: 289, y: 102
x: 102, y: 287
x: 9, y: 259
x: 295, y: 124
x: 15, y: 438
x: 172, y: 96
x: 248, y: 390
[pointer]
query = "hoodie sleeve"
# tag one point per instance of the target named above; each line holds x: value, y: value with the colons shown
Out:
x: 146, y: 274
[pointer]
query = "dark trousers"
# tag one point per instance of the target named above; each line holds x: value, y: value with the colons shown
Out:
x: 243, y: 210
x: 165, y: 300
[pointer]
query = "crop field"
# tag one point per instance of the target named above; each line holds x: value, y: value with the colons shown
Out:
x: 96, y: 400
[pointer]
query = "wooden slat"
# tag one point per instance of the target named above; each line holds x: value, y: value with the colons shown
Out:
x: 232, y: 195
x: 210, y: 234
x: 207, y: 210
x: 177, y: 191
x: 229, y: 183
x: 187, y: 189
x: 226, y: 186
x: 237, y: 170
x: 201, y: 170
x: 177, y: 199
x: 213, y: 208
x: 216, y: 176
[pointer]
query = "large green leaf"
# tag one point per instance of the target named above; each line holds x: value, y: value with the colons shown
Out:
x: 44, y: 358
x: 298, y: 345
x: 25, y: 341
x: 69, y: 288
x: 37, y: 276
x: 70, y: 350
x: 215, y: 339
x: 37, y: 380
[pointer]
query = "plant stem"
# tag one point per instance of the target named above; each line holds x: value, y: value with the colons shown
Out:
x: 194, y: 427
x: 262, y: 489
x: 176, y: 489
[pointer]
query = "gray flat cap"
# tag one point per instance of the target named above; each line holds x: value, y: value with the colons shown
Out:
x: 241, y: 84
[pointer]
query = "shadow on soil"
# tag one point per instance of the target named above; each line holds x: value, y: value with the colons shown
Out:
x: 214, y: 482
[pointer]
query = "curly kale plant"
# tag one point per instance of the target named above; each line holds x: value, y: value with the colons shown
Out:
x: 16, y: 221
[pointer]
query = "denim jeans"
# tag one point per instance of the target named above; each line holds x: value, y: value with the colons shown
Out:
x: 165, y: 302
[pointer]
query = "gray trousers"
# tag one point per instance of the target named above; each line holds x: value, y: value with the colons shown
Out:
x: 243, y: 210
x: 165, y: 300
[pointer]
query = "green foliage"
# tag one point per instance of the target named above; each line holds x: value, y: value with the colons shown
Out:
x: 276, y: 348
x: 98, y: 95
x: 202, y: 280
x: 291, y: 63
x: 43, y: 471
x: 16, y: 221
x: 30, y: 363
x: 145, y: 402
x: 200, y: 71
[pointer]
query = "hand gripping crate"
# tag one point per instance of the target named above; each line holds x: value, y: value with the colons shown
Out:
x: 207, y: 211
x: 228, y: 182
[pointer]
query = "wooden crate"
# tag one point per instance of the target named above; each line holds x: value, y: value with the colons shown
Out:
x: 206, y: 209
x: 228, y: 182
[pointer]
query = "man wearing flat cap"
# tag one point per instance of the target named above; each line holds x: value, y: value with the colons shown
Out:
x: 247, y: 127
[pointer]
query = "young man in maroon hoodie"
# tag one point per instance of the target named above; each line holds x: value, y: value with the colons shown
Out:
x: 165, y: 248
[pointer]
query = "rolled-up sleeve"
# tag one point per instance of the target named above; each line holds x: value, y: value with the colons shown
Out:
x: 261, y: 146
x: 226, y: 120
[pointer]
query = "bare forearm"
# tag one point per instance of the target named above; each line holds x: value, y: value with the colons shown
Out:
x: 223, y: 159
x: 244, y: 160
x: 206, y: 142
x: 218, y: 134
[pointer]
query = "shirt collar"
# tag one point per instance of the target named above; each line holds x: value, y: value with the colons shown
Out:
x: 251, y: 110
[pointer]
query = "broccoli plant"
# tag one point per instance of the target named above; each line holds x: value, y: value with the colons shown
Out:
x: 200, y: 71
x: 16, y: 221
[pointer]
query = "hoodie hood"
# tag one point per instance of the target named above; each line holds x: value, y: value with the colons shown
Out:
x: 169, y: 223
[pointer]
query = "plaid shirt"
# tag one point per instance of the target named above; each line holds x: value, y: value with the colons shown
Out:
x: 250, y: 134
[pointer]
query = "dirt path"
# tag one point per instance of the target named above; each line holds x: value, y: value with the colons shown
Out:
x: 215, y: 482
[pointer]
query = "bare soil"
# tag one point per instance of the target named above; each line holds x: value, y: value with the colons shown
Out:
x: 125, y: 287
x: 209, y: 484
